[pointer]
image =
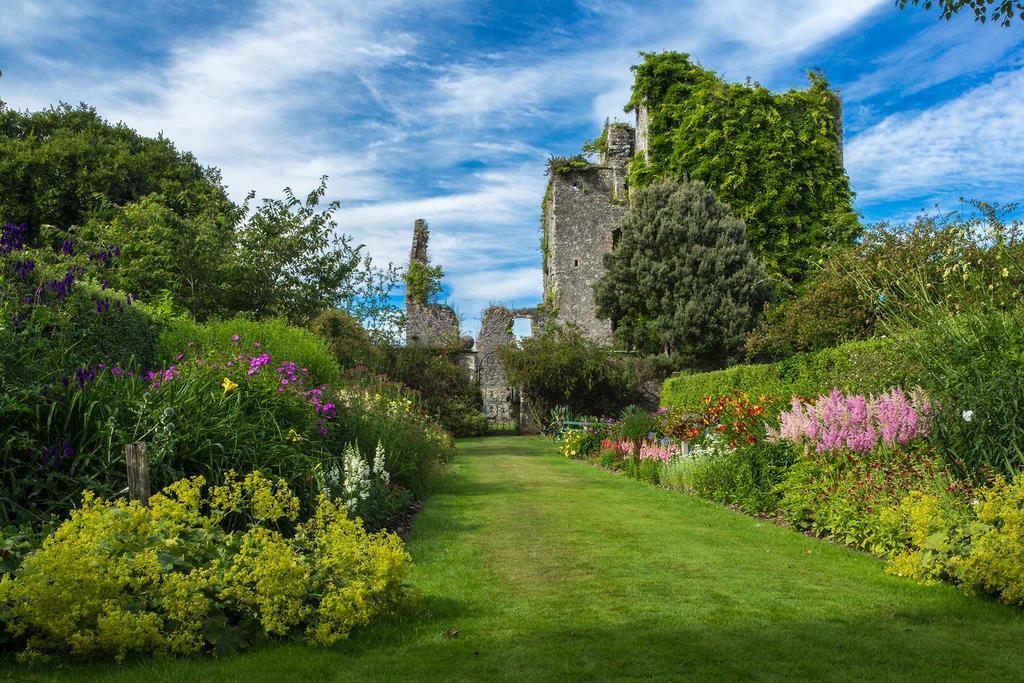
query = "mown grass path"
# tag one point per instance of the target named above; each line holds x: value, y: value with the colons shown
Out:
x: 532, y: 567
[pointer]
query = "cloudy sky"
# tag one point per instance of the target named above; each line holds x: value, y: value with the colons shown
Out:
x: 447, y: 109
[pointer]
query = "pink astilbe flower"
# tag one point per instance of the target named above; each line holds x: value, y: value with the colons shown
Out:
x: 854, y: 422
x: 657, y: 451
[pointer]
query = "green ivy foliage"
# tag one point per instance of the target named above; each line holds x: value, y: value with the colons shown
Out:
x: 774, y: 158
x: 568, y: 164
x: 423, y: 281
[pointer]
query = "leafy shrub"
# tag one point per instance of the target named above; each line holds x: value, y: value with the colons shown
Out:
x: 273, y: 336
x: 844, y: 495
x: 828, y: 311
x: 747, y: 475
x: 646, y: 470
x: 932, y: 531
x: 995, y: 562
x: 869, y: 366
x: 980, y: 545
x: 56, y: 313
x: 444, y: 388
x: 561, y: 367
x: 347, y: 339
x: 612, y: 458
x: 119, y: 577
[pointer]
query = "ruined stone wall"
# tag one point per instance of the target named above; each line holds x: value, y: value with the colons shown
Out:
x: 619, y: 144
x: 501, y: 401
x: 643, y: 124
x: 583, y: 209
x: 580, y: 220
x: 427, y: 324
x: 430, y: 324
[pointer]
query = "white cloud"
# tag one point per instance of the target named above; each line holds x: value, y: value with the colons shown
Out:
x: 26, y: 21
x: 971, y: 146
x: 938, y: 54
x: 487, y: 225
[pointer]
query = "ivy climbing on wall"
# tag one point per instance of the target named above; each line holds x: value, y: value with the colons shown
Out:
x: 423, y: 281
x: 775, y: 158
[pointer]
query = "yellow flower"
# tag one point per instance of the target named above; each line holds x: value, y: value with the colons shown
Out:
x: 229, y: 385
x: 294, y: 435
x: 1005, y: 272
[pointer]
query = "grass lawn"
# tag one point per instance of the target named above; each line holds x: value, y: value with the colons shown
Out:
x: 532, y: 567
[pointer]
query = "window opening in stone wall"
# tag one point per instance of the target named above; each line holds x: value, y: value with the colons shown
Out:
x: 576, y: 262
x: 521, y: 328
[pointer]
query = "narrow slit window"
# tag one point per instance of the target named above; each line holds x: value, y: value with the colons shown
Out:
x: 575, y: 262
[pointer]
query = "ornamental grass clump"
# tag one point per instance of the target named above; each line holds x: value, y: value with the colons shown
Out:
x: 201, y: 569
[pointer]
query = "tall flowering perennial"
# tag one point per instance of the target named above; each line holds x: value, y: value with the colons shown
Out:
x: 663, y: 450
x: 358, y: 479
x: 856, y: 423
x: 12, y: 238
x: 737, y: 417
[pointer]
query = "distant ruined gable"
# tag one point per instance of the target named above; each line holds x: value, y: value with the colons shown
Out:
x: 426, y: 323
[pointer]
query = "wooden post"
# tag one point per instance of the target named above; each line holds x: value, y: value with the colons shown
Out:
x: 685, y: 449
x: 138, y: 471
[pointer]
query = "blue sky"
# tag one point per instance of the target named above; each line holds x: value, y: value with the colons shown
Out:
x: 447, y: 109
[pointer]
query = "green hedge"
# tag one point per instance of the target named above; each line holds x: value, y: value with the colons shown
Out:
x: 274, y: 336
x: 868, y: 366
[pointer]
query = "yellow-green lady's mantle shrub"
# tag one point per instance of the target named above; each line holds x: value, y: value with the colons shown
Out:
x: 980, y: 546
x: 174, y: 577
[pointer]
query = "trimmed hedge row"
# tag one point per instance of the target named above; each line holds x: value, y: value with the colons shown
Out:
x: 869, y: 366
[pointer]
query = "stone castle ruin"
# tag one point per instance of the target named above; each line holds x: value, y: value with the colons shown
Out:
x: 437, y: 325
x: 582, y: 209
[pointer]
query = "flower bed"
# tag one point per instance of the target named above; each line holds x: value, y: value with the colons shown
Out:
x: 200, y: 569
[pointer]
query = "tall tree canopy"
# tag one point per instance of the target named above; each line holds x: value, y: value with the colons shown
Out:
x: 182, y: 242
x: 64, y: 165
x: 682, y: 277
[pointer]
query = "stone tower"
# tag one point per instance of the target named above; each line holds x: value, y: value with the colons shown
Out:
x: 427, y: 324
x: 583, y: 208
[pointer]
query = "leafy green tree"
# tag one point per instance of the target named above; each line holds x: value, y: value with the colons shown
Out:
x: 1002, y: 11
x: 682, y: 277
x: 445, y: 389
x: 184, y: 261
x: 293, y: 262
x: 423, y: 281
x: 828, y: 310
x: 562, y: 367
x: 63, y: 165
